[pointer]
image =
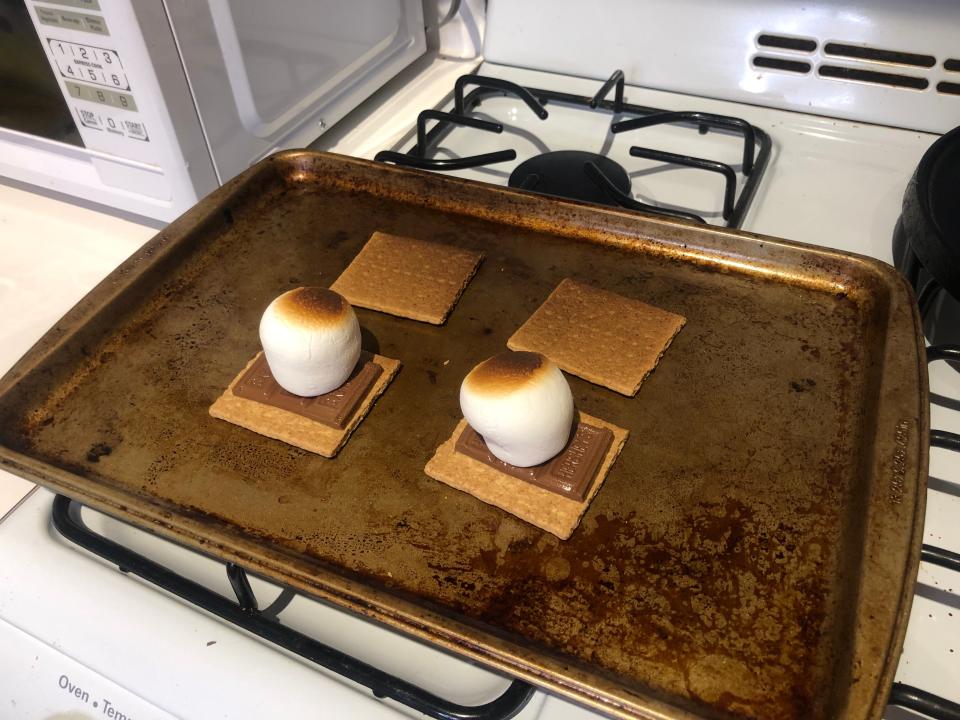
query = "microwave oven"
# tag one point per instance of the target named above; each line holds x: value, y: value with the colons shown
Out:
x: 147, y: 106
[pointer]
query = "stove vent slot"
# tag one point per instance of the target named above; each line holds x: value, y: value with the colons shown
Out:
x: 952, y: 65
x: 839, y: 72
x: 775, y: 63
x: 784, y: 42
x: 949, y: 88
x: 859, y: 52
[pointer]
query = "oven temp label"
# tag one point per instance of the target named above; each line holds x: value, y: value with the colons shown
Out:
x: 104, y: 706
x: 90, y: 64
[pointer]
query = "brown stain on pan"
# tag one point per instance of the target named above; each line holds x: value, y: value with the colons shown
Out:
x: 720, y: 569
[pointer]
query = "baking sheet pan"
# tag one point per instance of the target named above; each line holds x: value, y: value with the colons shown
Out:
x: 752, y: 553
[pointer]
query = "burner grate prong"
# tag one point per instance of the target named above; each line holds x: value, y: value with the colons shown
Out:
x: 702, y: 120
x: 445, y: 163
x: 943, y: 352
x: 496, y: 84
x: 944, y: 439
x: 923, y: 702
x: 950, y: 353
x: 615, y: 79
x: 730, y: 177
x: 624, y: 200
x: 444, y: 117
x: 940, y: 556
x: 241, y: 587
x: 530, y: 182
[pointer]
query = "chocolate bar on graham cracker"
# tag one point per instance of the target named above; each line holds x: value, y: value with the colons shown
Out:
x: 603, y: 337
x: 462, y: 464
x: 322, y: 424
x: 407, y: 277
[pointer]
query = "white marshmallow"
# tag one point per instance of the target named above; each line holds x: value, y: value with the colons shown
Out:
x: 521, y: 405
x: 311, y: 338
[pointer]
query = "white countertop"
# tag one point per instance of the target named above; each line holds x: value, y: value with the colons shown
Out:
x: 78, y: 245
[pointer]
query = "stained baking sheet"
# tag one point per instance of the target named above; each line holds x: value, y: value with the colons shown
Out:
x: 752, y: 553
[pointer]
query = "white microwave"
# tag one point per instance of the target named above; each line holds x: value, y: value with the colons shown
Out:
x: 147, y: 106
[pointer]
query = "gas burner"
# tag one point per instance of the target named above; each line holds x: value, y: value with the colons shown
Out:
x: 564, y: 173
x: 583, y: 175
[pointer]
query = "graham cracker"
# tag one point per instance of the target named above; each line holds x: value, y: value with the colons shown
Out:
x: 603, y: 337
x: 545, y: 509
x: 409, y: 278
x: 296, y: 429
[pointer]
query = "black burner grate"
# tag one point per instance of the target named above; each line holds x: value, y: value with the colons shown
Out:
x: 246, y: 614
x: 592, y: 180
x: 907, y: 696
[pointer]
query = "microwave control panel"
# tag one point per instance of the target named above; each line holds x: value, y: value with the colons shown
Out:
x: 98, y: 54
x: 79, y: 42
x: 95, y: 75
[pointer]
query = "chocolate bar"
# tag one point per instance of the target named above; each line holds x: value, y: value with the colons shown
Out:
x: 570, y: 473
x: 333, y: 409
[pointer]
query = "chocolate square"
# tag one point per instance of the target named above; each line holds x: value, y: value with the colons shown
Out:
x: 333, y: 409
x: 570, y: 473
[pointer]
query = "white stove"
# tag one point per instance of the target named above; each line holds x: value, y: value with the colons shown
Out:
x: 77, y: 636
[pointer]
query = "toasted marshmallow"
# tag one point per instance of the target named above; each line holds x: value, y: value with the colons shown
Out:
x: 521, y: 405
x: 311, y: 339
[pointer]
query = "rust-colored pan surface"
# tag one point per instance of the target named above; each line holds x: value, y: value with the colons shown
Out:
x: 752, y: 553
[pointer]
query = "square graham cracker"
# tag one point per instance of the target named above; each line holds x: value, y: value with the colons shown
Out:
x: 409, y: 278
x: 547, y: 510
x: 603, y: 337
x: 292, y: 428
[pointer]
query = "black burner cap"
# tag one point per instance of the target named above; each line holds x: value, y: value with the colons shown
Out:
x: 561, y: 173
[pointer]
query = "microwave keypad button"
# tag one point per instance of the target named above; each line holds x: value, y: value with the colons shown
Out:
x: 136, y: 130
x: 48, y: 16
x: 72, y: 20
x: 108, y: 59
x: 90, y: 119
x: 95, y: 24
x: 120, y: 100
x: 81, y: 4
x: 113, y: 125
x: 117, y: 79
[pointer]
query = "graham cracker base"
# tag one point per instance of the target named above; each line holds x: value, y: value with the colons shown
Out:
x: 608, y: 339
x: 296, y: 429
x: 409, y: 278
x: 547, y: 510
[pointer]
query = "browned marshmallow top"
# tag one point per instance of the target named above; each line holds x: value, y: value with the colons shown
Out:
x: 312, y: 307
x: 507, y: 372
